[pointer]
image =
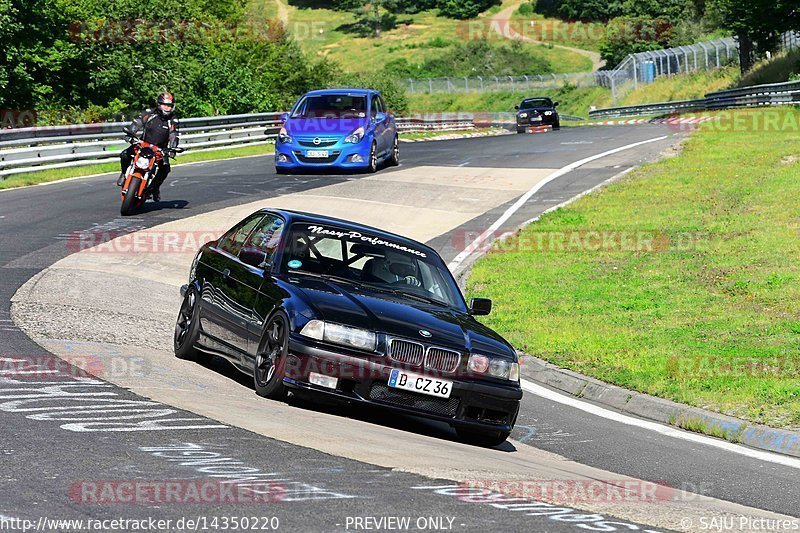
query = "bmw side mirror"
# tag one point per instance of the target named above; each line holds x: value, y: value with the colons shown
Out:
x: 480, y: 306
x: 253, y: 257
x: 284, y: 117
x: 555, y: 104
x: 516, y: 107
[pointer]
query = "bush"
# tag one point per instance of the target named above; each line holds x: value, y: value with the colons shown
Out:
x: 525, y: 9
x: 49, y: 62
x: 464, y: 9
x: 393, y: 92
x: 479, y: 58
x: 629, y: 35
x: 548, y: 8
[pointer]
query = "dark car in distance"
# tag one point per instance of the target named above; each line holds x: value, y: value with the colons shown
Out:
x: 323, y: 306
x: 534, y: 112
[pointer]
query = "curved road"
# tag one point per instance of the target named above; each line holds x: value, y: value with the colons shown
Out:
x: 149, y: 417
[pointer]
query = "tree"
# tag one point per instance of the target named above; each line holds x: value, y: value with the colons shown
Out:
x: 464, y: 9
x: 757, y: 24
x: 372, y: 16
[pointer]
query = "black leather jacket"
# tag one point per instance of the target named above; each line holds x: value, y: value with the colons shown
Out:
x: 154, y: 128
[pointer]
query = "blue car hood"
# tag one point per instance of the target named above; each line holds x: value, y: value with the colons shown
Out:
x: 319, y: 127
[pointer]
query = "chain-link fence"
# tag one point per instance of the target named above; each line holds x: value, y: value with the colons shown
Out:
x: 504, y: 83
x: 635, y: 69
x: 646, y: 67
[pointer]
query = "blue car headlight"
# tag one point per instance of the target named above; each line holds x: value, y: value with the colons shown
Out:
x: 523, y: 115
x: 284, y: 136
x: 355, y: 137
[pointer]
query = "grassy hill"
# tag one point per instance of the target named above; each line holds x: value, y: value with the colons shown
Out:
x: 421, y: 37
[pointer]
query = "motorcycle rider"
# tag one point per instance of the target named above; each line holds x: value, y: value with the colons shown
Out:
x: 160, y: 128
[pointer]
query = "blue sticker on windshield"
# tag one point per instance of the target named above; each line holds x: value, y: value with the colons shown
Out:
x: 294, y: 263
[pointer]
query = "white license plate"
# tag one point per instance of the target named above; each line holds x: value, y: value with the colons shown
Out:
x: 400, y: 379
x: 536, y: 119
x: 317, y: 153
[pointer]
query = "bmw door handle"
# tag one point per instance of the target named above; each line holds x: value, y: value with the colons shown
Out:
x: 226, y: 273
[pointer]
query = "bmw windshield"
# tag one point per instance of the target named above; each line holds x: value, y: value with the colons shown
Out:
x: 536, y: 103
x: 371, y: 263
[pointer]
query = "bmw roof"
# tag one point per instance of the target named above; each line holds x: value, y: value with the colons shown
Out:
x: 292, y: 216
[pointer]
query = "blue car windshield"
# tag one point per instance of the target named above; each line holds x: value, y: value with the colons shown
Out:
x: 371, y: 263
x: 331, y: 106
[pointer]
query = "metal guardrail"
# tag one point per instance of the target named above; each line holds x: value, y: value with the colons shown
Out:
x: 52, y: 147
x: 775, y: 94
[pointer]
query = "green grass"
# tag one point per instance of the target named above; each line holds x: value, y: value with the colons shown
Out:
x: 413, y: 136
x: 44, y: 176
x: 419, y: 37
x: 720, y: 293
x: 780, y: 68
x: 585, y: 35
x: 683, y: 87
x: 572, y: 101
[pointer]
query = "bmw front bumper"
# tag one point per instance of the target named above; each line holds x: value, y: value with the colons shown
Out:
x: 364, y: 380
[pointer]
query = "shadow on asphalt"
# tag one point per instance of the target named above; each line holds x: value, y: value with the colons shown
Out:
x: 373, y: 415
x: 150, y: 207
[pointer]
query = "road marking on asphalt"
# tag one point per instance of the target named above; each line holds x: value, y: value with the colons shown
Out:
x: 669, y: 431
x: 475, y: 245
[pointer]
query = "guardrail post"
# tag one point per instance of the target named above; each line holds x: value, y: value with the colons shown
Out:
x: 411, y: 83
x: 466, y: 84
x: 430, y: 86
x: 480, y: 79
x: 513, y: 87
x: 613, y: 89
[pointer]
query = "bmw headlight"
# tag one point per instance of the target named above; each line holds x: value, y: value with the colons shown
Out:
x: 523, y: 115
x: 494, y: 367
x: 355, y: 137
x: 284, y: 137
x: 360, y: 339
x: 548, y: 113
x: 143, y: 163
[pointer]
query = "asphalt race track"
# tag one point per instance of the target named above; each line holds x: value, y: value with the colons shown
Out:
x: 65, y: 456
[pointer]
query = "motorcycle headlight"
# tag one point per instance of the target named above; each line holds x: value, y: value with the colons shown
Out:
x: 494, y: 367
x: 360, y: 339
x: 284, y: 136
x: 523, y: 115
x: 355, y: 137
x: 548, y: 113
x: 143, y: 163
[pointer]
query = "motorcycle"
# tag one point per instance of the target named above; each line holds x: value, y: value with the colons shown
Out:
x: 138, y: 180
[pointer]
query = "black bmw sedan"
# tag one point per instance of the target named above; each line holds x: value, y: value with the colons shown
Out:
x: 534, y: 112
x: 323, y: 306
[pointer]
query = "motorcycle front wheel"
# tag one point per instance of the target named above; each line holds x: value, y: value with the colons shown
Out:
x: 129, y: 202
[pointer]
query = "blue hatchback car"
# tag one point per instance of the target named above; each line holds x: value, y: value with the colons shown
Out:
x: 337, y: 128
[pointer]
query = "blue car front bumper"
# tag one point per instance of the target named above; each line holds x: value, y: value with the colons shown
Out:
x: 294, y: 155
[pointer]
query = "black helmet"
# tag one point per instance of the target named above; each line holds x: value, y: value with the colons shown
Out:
x: 166, y: 104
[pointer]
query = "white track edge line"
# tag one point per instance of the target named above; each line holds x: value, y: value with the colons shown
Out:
x: 475, y: 245
x: 669, y: 431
